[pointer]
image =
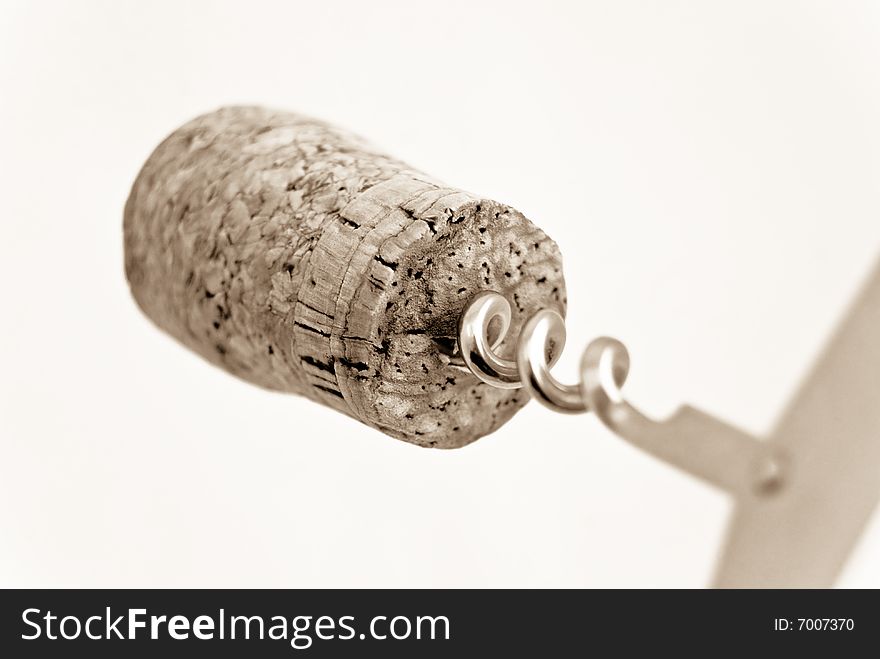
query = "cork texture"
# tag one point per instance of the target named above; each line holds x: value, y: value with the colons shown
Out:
x: 296, y: 256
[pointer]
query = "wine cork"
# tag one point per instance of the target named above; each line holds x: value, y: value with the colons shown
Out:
x: 296, y: 256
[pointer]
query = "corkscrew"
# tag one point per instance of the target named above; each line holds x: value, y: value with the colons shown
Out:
x: 794, y: 522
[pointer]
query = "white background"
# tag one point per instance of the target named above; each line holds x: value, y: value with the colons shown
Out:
x: 710, y: 171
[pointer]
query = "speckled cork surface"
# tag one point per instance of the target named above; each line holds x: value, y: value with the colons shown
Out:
x: 297, y: 257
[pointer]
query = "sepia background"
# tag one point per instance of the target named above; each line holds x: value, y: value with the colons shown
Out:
x: 711, y: 172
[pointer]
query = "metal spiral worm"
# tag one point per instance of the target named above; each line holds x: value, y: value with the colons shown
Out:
x: 689, y: 439
x: 538, y: 347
